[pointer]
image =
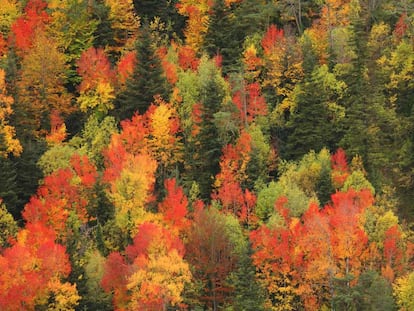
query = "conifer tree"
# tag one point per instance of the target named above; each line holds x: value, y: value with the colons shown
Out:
x: 207, y: 143
x: 370, y: 127
x: 249, y: 295
x: 104, y: 34
x: 147, y: 80
x: 312, y: 126
x: 219, y: 38
x: 8, y: 185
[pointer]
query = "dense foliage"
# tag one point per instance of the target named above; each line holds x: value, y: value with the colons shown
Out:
x: 206, y: 155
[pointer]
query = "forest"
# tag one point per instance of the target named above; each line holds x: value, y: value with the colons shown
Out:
x: 237, y: 155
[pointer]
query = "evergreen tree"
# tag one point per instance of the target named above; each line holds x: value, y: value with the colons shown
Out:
x: 370, y: 127
x: 147, y: 80
x: 374, y: 293
x: 8, y: 186
x: 248, y: 293
x: 219, y: 38
x: 28, y: 173
x: 312, y: 126
x: 103, y: 35
x: 203, y: 150
x: 209, y: 151
x: 166, y: 11
x: 230, y: 24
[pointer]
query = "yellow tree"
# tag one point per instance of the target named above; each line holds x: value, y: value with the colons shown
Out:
x: 131, y: 179
x: 164, y: 144
x: 8, y: 142
x: 324, y: 32
x: 9, y: 11
x: 125, y: 23
x: 404, y: 292
x: 197, y: 23
x: 41, y: 86
x: 283, y: 63
x: 152, y: 274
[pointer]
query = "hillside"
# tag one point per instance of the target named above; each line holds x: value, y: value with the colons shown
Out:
x: 206, y: 155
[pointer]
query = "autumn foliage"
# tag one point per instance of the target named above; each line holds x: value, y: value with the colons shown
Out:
x: 152, y: 273
x: 206, y: 155
x: 33, y: 269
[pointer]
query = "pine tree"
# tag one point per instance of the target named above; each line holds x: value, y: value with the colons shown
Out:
x: 147, y: 80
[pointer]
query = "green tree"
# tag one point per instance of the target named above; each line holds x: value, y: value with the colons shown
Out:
x: 8, y: 226
x: 166, y: 11
x: 147, y: 80
x: 104, y: 33
x: 370, y: 125
x: 315, y: 123
x: 207, y: 143
x: 374, y: 293
x: 9, y: 188
x: 28, y: 173
x: 248, y: 295
x: 73, y: 28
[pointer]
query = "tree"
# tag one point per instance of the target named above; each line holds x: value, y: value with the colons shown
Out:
x: 8, y: 227
x: 32, y: 271
x: 152, y: 274
x: 147, y: 80
x: 248, y: 293
x: 315, y: 122
x: 98, y: 79
x: 104, y: 33
x: 8, y: 143
x: 41, y: 87
x: 212, y: 253
x: 26, y: 27
x: 72, y: 27
x: 276, y: 262
x: 9, y: 12
x: 164, y: 140
x: 124, y: 24
x: 218, y: 38
x: 404, y: 291
x: 374, y: 293
x: 65, y: 194
x: 165, y: 11
x: 197, y: 13
x: 174, y: 207
x: 130, y: 180
x: 250, y: 103
x: 212, y: 95
x: 367, y: 113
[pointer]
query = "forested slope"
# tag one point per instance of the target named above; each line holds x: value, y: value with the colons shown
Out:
x: 206, y: 155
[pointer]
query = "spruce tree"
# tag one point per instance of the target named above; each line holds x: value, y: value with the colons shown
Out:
x: 147, y: 80
x: 104, y: 34
x: 311, y: 126
x: 28, y: 172
x: 249, y: 296
x: 8, y: 186
x: 209, y: 151
x: 166, y: 11
x: 205, y: 147
x: 219, y: 38
x: 370, y: 127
